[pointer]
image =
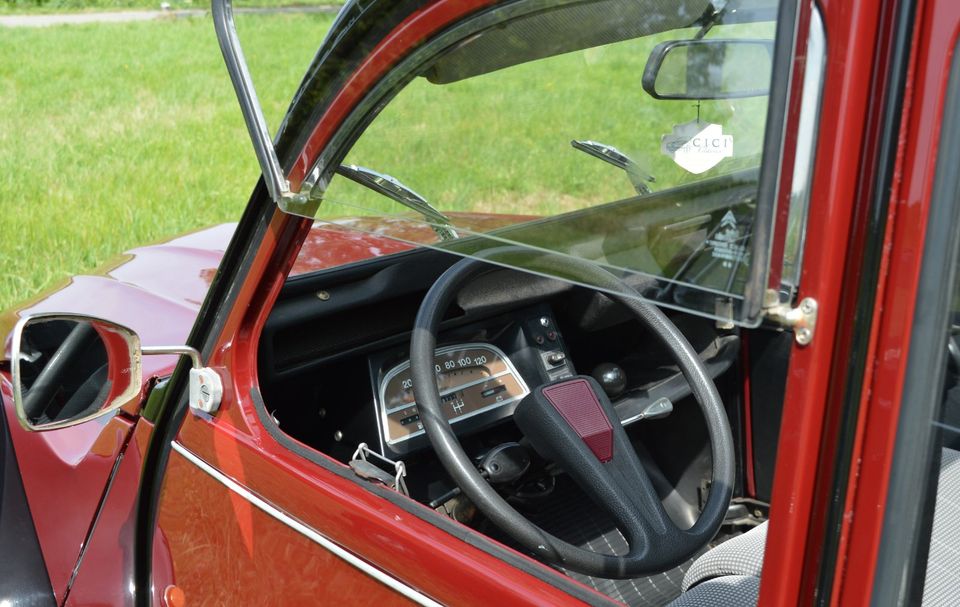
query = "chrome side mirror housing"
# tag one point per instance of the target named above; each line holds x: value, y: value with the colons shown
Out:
x: 68, y: 369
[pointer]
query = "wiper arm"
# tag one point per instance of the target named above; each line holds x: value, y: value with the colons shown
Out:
x: 607, y: 153
x: 393, y: 189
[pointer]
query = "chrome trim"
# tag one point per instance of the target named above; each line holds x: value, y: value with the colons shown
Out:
x: 289, y: 521
x: 273, y: 175
x: 469, y: 384
x: 381, y: 391
x: 808, y: 126
x: 177, y: 350
x: 136, y: 380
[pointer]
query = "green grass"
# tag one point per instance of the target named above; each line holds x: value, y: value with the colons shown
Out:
x: 117, y: 135
x: 500, y: 142
x: 15, y: 7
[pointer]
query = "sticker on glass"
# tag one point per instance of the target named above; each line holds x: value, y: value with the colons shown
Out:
x: 697, y: 146
x: 727, y: 242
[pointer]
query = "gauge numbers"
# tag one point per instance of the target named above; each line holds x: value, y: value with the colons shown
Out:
x: 472, y: 379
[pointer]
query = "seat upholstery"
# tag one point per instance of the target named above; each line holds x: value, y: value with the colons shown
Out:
x: 730, y: 573
x: 728, y: 591
x: 740, y: 556
x: 943, y: 563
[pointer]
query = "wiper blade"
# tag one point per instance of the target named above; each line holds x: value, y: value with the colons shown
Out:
x: 607, y: 153
x: 392, y: 188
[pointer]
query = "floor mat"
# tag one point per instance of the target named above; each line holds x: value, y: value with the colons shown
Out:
x: 570, y: 515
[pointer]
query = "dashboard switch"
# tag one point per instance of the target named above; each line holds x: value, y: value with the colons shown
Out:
x: 556, y: 358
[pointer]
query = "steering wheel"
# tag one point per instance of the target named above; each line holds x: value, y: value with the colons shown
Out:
x: 571, y: 422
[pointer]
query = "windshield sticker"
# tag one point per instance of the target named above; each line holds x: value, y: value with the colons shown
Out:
x: 697, y: 146
x: 726, y: 242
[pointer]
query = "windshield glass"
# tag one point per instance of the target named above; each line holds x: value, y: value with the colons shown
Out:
x: 630, y: 134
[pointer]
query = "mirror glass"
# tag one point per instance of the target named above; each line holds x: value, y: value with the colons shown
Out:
x: 69, y: 369
x: 709, y: 69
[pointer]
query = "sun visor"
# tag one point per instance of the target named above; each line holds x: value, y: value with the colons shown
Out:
x: 557, y: 30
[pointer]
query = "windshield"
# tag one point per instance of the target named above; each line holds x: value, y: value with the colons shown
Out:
x: 630, y: 134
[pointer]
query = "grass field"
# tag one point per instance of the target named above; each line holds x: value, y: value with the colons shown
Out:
x: 16, y: 7
x: 117, y: 135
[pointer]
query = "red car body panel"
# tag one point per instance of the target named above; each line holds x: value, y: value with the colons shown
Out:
x: 106, y: 573
x: 937, y: 32
x: 157, y: 291
x: 792, y: 552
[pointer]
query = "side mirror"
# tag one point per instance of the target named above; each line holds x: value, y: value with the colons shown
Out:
x: 68, y: 369
x: 709, y: 69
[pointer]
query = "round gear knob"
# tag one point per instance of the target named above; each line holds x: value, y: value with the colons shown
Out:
x: 611, y: 378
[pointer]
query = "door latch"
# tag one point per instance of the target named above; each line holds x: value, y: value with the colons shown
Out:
x: 802, y: 319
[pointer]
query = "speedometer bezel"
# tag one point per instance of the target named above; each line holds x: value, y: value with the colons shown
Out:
x: 495, y: 411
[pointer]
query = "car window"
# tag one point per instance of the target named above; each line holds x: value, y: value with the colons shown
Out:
x: 629, y: 134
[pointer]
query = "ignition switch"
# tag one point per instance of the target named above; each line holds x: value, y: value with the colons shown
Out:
x: 505, y: 463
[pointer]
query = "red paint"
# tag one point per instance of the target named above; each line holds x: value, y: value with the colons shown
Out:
x: 938, y: 24
x: 577, y: 403
x: 209, y: 543
x: 106, y: 574
x: 346, y: 240
x: 74, y: 462
x: 791, y: 561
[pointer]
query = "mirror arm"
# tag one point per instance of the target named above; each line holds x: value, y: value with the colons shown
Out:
x: 178, y: 350
x: 711, y: 17
x: 206, y: 386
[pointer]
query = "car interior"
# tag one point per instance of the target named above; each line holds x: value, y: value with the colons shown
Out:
x: 453, y: 370
x: 335, y: 375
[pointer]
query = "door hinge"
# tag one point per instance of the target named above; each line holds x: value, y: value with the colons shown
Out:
x: 802, y: 319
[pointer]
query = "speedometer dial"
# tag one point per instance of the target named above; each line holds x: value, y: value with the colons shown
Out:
x: 472, y: 379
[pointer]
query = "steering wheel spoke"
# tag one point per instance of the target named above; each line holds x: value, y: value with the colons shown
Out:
x: 572, y: 423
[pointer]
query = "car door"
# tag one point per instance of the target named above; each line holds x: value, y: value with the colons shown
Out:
x: 897, y: 540
x: 227, y: 512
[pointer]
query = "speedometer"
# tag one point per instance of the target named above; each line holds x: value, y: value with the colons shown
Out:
x: 472, y: 379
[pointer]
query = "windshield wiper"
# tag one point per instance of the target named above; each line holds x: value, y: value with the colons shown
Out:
x: 393, y: 189
x: 607, y: 153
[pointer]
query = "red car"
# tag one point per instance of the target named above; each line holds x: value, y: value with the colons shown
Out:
x: 670, y: 321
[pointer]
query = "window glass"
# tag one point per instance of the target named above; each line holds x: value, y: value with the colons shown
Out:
x: 630, y: 134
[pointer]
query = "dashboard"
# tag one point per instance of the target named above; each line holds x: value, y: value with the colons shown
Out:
x: 472, y: 378
x: 480, y: 382
x: 336, y: 374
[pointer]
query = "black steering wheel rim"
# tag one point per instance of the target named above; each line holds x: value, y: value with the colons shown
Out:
x: 641, y: 560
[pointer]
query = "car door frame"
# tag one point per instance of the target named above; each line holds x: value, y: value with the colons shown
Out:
x: 264, y: 246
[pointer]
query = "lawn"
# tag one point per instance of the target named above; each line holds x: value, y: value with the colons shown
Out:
x: 15, y: 7
x: 117, y: 135
x: 114, y: 135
